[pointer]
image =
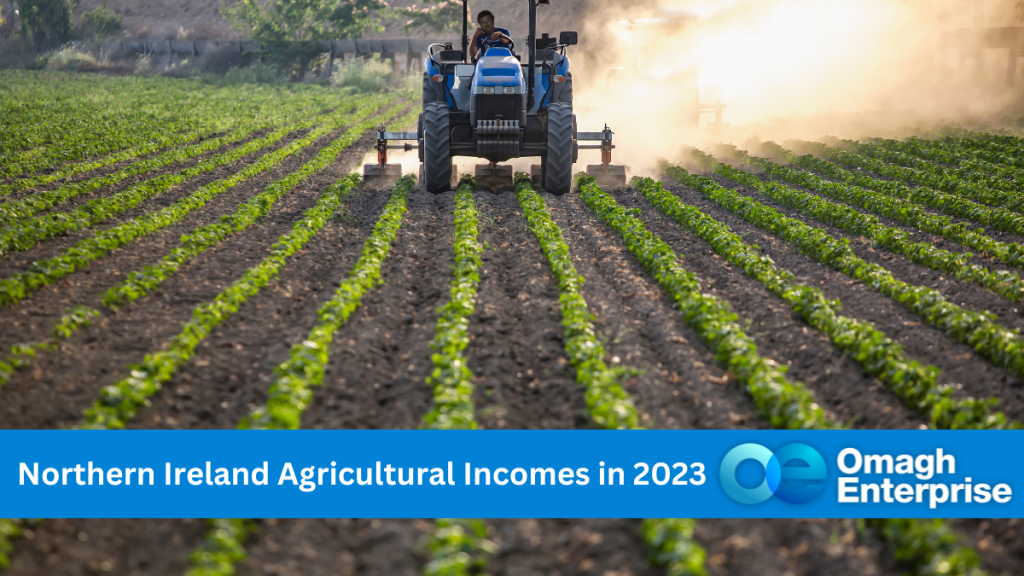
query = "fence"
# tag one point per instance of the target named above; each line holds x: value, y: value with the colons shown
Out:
x: 414, y: 50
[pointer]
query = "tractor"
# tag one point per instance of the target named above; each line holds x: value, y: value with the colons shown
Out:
x: 498, y: 108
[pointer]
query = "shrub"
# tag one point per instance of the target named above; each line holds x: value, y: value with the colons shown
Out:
x: 101, y: 22
x: 70, y: 58
x: 363, y: 75
x: 257, y: 73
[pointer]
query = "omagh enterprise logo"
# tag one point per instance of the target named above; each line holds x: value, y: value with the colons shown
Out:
x: 795, y: 473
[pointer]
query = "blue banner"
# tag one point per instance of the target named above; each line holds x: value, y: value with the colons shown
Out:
x: 510, y: 474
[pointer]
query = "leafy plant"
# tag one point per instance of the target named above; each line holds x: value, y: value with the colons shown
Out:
x: 101, y: 21
x: 879, y: 356
x: 609, y: 405
x: 46, y: 22
x: 892, y: 239
x: 291, y: 389
x: 438, y: 15
x: 142, y: 282
x: 979, y: 330
x: 221, y: 549
x: 451, y: 379
x: 42, y: 273
x: 458, y: 547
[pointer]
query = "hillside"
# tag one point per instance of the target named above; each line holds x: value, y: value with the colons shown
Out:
x: 201, y: 19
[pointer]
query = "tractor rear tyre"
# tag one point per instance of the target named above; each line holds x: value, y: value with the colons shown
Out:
x: 558, y: 161
x: 437, y: 156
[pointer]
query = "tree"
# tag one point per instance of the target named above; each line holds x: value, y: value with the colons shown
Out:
x: 47, y: 22
x: 444, y: 15
x: 298, y: 20
x: 101, y: 22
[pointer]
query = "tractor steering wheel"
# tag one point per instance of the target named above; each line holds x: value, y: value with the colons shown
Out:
x: 499, y: 44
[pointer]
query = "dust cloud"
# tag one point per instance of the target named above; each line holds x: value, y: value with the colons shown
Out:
x: 783, y: 69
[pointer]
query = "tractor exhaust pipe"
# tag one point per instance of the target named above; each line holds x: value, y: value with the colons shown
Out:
x: 533, y: 55
x: 465, y: 31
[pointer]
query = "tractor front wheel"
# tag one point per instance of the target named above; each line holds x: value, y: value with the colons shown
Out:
x: 437, y: 156
x: 558, y: 161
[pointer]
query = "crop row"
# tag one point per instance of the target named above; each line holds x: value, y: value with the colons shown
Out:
x: 150, y: 147
x: 608, y: 404
x: 922, y: 545
x: 951, y: 204
x: 964, y: 171
x: 1004, y: 282
x: 108, y: 115
x: 671, y: 539
x: 291, y: 388
x: 42, y: 273
x: 120, y: 401
x: 880, y: 357
x: 976, y: 329
x: 973, y: 165
x: 27, y: 233
x: 139, y: 283
x: 12, y: 212
x: 894, y: 208
x: 451, y: 380
x: 19, y: 356
x: 945, y: 183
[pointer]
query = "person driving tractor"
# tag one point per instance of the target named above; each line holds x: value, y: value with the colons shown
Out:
x: 487, y: 35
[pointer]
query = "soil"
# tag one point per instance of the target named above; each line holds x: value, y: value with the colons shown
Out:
x: 381, y: 357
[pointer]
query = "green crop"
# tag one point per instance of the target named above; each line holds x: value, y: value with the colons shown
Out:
x: 1003, y: 282
x: 672, y: 546
x: 458, y: 547
x: 917, y: 543
x: 11, y: 213
x: 221, y: 548
x: 950, y: 183
x: 21, y: 284
x: 890, y: 207
x: 451, y: 379
x: 786, y: 404
x: 120, y: 401
x: 608, y: 404
x: 291, y: 389
x: 872, y: 349
x: 20, y: 355
x: 978, y: 330
x: 27, y: 233
x: 9, y: 530
x: 142, y: 282
x: 951, y: 204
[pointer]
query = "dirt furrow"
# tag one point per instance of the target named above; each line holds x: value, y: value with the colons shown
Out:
x: 523, y: 379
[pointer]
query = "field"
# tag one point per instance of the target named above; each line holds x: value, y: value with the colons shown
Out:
x: 175, y: 255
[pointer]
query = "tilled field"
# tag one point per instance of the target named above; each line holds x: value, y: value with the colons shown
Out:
x: 856, y: 281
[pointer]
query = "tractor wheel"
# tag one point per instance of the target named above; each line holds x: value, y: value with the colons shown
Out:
x: 437, y: 156
x: 558, y: 164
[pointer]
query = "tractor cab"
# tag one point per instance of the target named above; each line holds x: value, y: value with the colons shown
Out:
x: 499, y: 108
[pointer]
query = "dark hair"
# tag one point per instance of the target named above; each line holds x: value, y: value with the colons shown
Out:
x: 484, y: 13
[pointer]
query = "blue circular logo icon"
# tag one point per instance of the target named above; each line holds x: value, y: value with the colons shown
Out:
x: 794, y: 473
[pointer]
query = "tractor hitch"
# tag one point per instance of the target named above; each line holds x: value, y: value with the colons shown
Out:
x: 606, y: 173
x: 383, y: 174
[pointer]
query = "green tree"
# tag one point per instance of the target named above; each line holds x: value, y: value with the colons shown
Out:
x: 440, y: 15
x: 101, y: 22
x: 288, y: 30
x: 47, y: 23
x: 298, y: 20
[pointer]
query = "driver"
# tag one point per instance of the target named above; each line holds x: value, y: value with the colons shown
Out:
x: 487, y: 35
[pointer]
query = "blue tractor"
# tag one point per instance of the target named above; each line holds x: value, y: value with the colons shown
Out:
x: 498, y: 108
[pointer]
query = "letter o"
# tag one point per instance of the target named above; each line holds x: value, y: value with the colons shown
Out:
x: 857, y: 459
x: 56, y: 476
x: 513, y: 476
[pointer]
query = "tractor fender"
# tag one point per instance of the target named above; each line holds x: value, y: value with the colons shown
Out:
x: 432, y: 91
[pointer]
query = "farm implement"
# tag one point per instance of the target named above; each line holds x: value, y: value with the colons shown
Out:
x: 498, y: 108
